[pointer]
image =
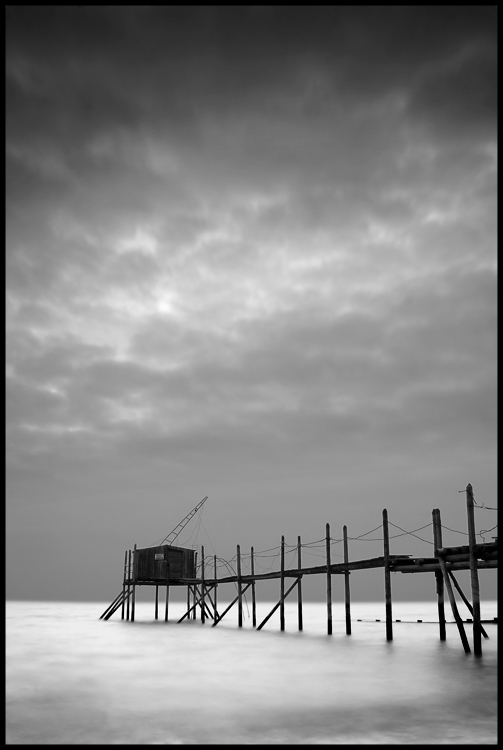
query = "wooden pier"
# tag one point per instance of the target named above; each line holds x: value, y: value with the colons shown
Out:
x: 168, y: 566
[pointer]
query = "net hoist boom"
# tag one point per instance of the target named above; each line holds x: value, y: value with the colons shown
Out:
x: 178, y: 529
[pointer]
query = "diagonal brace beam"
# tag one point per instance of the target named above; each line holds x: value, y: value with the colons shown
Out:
x: 469, y: 606
x: 230, y: 605
x: 199, y: 599
x: 273, y: 610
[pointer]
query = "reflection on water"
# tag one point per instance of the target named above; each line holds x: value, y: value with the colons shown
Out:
x: 72, y: 678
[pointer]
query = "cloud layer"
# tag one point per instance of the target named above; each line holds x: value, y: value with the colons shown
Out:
x: 247, y: 242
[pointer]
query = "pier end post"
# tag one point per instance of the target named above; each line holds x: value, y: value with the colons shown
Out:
x: 437, y: 544
x: 347, y: 598
x: 474, y: 577
x: 329, y: 582
x: 387, y: 577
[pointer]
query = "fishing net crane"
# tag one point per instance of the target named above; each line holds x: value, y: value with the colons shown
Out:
x: 179, y: 528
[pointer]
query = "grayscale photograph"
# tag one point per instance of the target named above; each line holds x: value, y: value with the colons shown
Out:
x: 251, y: 375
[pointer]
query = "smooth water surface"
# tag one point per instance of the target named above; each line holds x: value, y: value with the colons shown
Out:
x: 75, y: 679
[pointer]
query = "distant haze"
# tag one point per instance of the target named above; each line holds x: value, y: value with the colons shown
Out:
x: 251, y: 254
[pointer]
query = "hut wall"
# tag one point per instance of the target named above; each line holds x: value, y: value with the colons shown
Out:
x: 152, y: 563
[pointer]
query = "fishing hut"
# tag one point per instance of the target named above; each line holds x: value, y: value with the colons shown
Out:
x: 155, y: 565
x: 167, y: 565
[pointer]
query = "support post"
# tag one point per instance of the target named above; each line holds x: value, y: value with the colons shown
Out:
x: 124, y: 585
x: 450, y: 593
x: 157, y: 602
x: 195, y: 588
x: 188, y: 599
x: 282, y: 587
x: 299, y: 586
x: 387, y: 577
x: 240, y: 593
x: 254, y: 604
x: 437, y: 544
x: 347, y: 600
x: 134, y: 584
x: 202, y: 585
x: 128, y: 584
x: 474, y: 576
x: 216, y: 587
x: 167, y: 590
x: 329, y: 583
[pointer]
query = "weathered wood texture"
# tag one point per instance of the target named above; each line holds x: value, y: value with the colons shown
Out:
x: 162, y: 563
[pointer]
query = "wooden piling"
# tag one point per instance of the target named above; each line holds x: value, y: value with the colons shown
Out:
x: 124, y: 585
x: 134, y: 585
x: 282, y: 586
x: 254, y: 604
x: 128, y: 584
x: 299, y: 586
x: 437, y: 544
x: 347, y: 600
x: 195, y: 589
x: 450, y: 593
x: 167, y: 604
x: 216, y: 587
x: 387, y: 577
x: 157, y: 602
x: 240, y: 592
x: 202, y: 586
x: 329, y: 583
x: 474, y: 576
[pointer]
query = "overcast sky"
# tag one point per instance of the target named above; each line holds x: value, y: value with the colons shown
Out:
x: 251, y: 254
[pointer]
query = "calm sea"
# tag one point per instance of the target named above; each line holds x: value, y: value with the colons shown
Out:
x: 75, y: 679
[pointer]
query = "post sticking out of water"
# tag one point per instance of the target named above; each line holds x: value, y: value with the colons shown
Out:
x: 437, y: 543
x: 202, y: 585
x: 282, y: 586
x: 474, y: 577
x: 157, y: 602
x: 128, y: 583
x: 194, y: 589
x: 134, y: 586
x: 124, y: 585
x: 299, y: 585
x: 240, y: 591
x: 167, y: 604
x: 329, y: 583
x: 254, y: 604
x: 346, y: 582
x: 387, y: 577
x: 215, y: 615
